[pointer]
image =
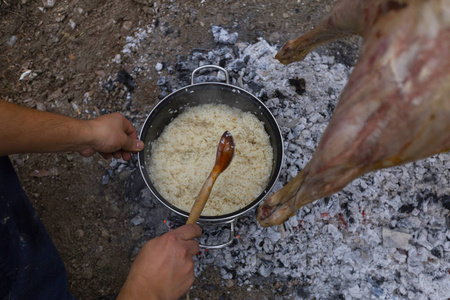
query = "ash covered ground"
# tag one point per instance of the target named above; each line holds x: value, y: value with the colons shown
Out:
x: 385, y: 236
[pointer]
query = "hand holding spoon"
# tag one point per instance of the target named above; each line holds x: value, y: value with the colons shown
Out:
x: 224, y: 155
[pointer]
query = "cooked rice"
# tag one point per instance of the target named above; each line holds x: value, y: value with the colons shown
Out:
x: 185, y: 152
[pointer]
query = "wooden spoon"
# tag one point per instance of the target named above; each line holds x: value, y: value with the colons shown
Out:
x: 225, y: 153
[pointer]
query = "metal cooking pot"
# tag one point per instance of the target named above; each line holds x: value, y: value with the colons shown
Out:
x: 203, y: 93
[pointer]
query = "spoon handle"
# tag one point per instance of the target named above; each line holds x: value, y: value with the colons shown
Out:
x: 202, y: 197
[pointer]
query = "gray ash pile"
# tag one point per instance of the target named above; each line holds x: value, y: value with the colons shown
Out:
x: 385, y: 236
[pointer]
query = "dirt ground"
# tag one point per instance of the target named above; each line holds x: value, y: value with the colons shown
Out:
x: 69, y: 47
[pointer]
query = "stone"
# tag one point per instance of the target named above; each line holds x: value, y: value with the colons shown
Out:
x: 79, y: 233
x: 137, y: 232
x: 72, y: 24
x: 12, y: 41
x: 105, y: 179
x: 159, y: 67
x: 127, y: 25
x: 138, y: 220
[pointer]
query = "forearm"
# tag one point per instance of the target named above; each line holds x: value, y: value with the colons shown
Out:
x: 24, y: 130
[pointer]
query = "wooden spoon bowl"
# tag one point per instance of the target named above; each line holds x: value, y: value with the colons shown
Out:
x: 224, y: 155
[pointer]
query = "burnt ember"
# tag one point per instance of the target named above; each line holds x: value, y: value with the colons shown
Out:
x: 299, y: 84
x: 125, y: 78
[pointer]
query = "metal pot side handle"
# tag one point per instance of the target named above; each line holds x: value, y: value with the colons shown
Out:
x: 227, y: 77
x: 232, y: 223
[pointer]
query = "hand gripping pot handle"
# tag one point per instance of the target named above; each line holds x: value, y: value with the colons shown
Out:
x: 227, y: 77
x: 232, y: 223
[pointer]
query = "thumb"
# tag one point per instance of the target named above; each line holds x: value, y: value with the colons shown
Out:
x: 133, y: 145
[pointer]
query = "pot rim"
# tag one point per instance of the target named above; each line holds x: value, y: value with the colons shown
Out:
x: 225, y: 217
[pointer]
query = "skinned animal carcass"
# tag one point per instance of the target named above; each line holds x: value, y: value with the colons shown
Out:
x: 395, y: 107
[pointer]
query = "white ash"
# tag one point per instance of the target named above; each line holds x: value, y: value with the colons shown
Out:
x: 222, y: 36
x: 385, y: 236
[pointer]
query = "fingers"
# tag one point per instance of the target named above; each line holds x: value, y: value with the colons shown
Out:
x: 188, y: 232
x: 129, y: 128
x: 126, y: 155
x: 117, y: 154
x: 133, y: 145
x: 115, y: 136
x: 192, y: 247
x: 106, y: 155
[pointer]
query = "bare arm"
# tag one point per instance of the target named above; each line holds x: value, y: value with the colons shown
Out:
x: 24, y: 130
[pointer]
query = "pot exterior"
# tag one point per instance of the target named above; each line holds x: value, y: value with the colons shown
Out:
x: 206, y: 93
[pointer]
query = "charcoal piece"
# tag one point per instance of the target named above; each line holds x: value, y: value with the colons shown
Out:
x: 279, y: 95
x: 209, y: 287
x: 236, y: 51
x: 199, y: 50
x: 176, y: 219
x: 445, y: 201
x: 231, y: 271
x: 437, y: 252
x: 344, y: 207
x: 222, y: 62
x: 301, y: 291
x: 207, y: 78
x: 128, y: 105
x: 184, y: 78
x: 204, y: 71
x: 425, y: 195
x: 126, y: 79
x: 109, y: 86
x: 379, y: 280
x: 191, y: 66
x: 254, y: 86
x: 181, y: 57
x: 330, y: 108
x: 264, y: 97
x: 299, y: 84
x: 180, y: 66
x: 237, y: 65
x: 168, y: 31
x: 406, y: 208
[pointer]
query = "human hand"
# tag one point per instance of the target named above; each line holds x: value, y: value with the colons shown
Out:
x: 112, y: 136
x: 164, y: 268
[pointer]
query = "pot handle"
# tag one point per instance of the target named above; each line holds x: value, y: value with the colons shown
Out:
x: 232, y: 223
x: 212, y: 67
